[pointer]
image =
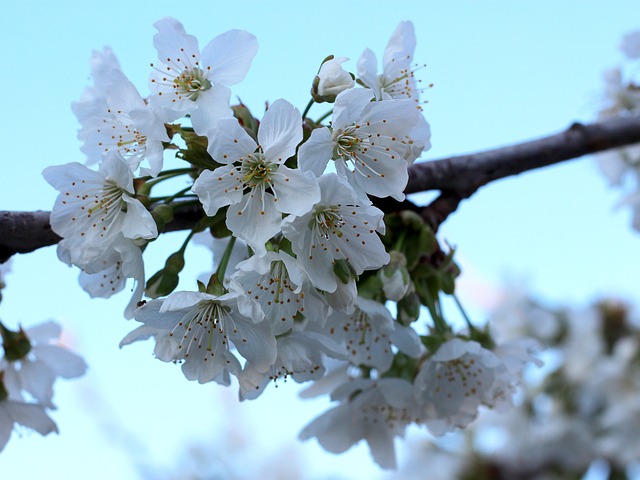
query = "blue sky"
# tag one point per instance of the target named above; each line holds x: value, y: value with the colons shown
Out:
x: 503, y: 72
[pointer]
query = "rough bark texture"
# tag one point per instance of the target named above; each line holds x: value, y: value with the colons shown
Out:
x: 456, y: 177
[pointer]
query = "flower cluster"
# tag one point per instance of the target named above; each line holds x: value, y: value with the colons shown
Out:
x: 308, y: 297
x: 578, y: 415
x: 622, y: 98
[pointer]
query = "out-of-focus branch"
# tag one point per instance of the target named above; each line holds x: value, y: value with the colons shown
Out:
x: 456, y: 177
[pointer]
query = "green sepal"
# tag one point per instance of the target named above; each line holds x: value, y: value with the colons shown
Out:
x: 432, y: 343
x: 246, y: 120
x: 3, y: 390
x: 16, y: 344
x: 215, y: 286
x: 344, y: 271
x: 409, y: 308
x: 162, y: 214
x: 403, y: 366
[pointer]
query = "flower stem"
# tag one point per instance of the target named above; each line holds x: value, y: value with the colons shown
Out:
x: 324, y: 116
x: 463, y: 312
x: 224, y: 261
x: 307, y: 108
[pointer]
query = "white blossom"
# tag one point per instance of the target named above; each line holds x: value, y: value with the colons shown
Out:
x: 369, y: 333
x: 120, y: 120
x: 108, y: 274
x: 94, y: 208
x: 254, y: 180
x: 374, y: 411
x: 456, y: 380
x: 339, y: 227
x: 299, y: 357
x: 282, y: 289
x: 630, y: 45
x: 366, y: 143
x: 46, y: 360
x: 397, y: 79
x: 187, y: 81
x: 198, y: 330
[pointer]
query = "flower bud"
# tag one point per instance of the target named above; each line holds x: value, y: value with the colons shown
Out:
x: 162, y: 214
x: 165, y: 281
x: 395, y: 277
x: 331, y: 80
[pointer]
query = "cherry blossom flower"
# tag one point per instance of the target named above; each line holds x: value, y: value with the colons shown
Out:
x: 120, y: 120
x: 46, y: 360
x: 375, y: 411
x: 254, y: 180
x: 461, y: 376
x: 338, y: 227
x: 198, y: 330
x: 367, y: 142
x: 299, y: 357
x: 187, y: 81
x: 369, y: 334
x: 397, y: 78
x: 282, y: 289
x: 108, y: 274
x: 94, y: 208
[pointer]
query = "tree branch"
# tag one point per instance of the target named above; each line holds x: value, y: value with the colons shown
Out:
x: 460, y: 177
x: 456, y: 177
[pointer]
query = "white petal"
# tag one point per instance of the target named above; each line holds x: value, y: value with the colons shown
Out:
x: 212, y: 105
x: 315, y: 153
x: 228, y: 141
x: 368, y: 71
x: 230, y: 55
x: 219, y: 188
x: 255, y: 221
x: 62, y: 362
x: 31, y: 416
x: 288, y: 186
x: 138, y: 222
x: 280, y: 131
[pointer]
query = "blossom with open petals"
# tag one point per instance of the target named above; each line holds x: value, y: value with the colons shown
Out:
x: 254, y: 180
x: 94, y: 208
x: 374, y: 411
x: 187, y: 81
x: 462, y: 375
x: 119, y: 120
x: 367, y: 142
x: 397, y: 78
x: 369, y: 333
x: 340, y: 227
x: 199, y: 329
x: 46, y: 360
x: 282, y: 289
x: 108, y: 274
